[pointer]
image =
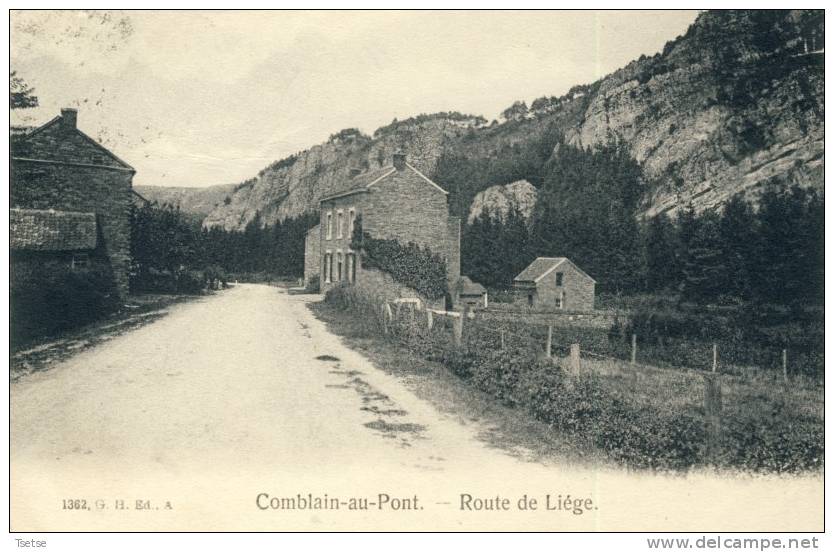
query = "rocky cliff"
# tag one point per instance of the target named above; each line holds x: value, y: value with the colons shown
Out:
x: 501, y: 199
x: 733, y: 105
x: 196, y: 201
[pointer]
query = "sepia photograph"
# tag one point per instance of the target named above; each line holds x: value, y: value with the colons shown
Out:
x: 553, y: 271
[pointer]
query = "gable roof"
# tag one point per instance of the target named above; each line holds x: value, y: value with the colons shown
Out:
x: 22, y: 138
x: 36, y: 230
x: 543, y: 266
x: 363, y: 181
x: 467, y: 287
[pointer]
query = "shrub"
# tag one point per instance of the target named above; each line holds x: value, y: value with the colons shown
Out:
x: 190, y: 281
x: 314, y: 284
x: 411, y: 265
x: 591, y: 408
x: 51, y: 301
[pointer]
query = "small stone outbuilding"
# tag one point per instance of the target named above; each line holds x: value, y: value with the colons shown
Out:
x: 471, y: 293
x: 554, y: 283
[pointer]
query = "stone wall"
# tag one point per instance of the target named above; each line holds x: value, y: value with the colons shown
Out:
x: 101, y: 190
x: 312, y: 258
x: 407, y: 208
x: 452, y: 253
x: 383, y: 286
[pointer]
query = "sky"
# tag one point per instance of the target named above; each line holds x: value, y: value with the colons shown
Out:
x: 192, y: 98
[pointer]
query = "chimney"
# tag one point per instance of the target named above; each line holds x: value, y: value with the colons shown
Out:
x: 354, y: 172
x: 69, y: 118
x: 399, y: 160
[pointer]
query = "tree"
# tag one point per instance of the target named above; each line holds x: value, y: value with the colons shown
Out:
x: 788, y: 250
x: 586, y: 211
x: 515, y: 112
x: 737, y: 235
x: 704, y: 271
x: 21, y: 95
x: 660, y: 245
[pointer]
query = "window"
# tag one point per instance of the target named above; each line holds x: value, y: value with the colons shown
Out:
x: 80, y: 260
x: 530, y: 299
x: 328, y: 267
x: 351, y: 220
x: 329, y: 226
x: 339, y: 225
x: 560, y: 300
x: 559, y: 276
x: 339, y: 266
x: 348, y: 261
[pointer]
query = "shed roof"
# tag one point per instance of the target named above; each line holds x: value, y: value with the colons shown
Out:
x: 542, y: 266
x: 467, y: 287
x: 37, y: 230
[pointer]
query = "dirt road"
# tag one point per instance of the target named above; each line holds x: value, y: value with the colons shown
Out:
x: 231, y: 409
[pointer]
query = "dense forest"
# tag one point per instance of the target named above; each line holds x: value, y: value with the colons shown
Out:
x: 586, y: 210
x: 170, y: 251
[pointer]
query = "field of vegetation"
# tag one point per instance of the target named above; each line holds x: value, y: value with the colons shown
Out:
x: 641, y: 416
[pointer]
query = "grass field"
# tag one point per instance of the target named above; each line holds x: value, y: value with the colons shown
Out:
x: 641, y: 416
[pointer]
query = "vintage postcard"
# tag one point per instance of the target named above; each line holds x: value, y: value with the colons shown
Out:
x: 318, y: 271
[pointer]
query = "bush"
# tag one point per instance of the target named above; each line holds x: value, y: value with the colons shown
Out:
x: 591, y: 408
x: 51, y: 301
x: 411, y: 265
x: 314, y: 284
x: 190, y: 281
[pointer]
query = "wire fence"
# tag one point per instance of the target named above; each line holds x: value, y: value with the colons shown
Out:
x: 603, y: 389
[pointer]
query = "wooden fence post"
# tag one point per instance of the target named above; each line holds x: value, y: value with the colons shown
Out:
x: 549, y: 343
x: 633, y: 349
x: 712, y: 409
x: 384, y: 321
x: 458, y: 329
x: 575, y: 366
x: 785, y: 364
x: 429, y: 319
x: 714, y: 357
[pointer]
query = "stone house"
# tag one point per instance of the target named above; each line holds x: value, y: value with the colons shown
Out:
x: 394, y: 202
x: 554, y: 283
x: 472, y: 293
x: 312, y: 255
x: 70, y: 199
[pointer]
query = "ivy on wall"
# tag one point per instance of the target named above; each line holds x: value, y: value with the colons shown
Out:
x: 411, y: 265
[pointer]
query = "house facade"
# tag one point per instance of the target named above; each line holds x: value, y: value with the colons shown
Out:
x: 394, y: 202
x: 552, y: 284
x: 65, y: 185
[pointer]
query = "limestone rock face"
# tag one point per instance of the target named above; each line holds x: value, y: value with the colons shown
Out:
x: 195, y: 201
x: 733, y: 106
x: 500, y: 200
x: 292, y: 188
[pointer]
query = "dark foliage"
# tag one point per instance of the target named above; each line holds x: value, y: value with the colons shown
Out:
x: 52, y: 301
x: 411, y: 265
x: 21, y: 95
x: 172, y: 253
